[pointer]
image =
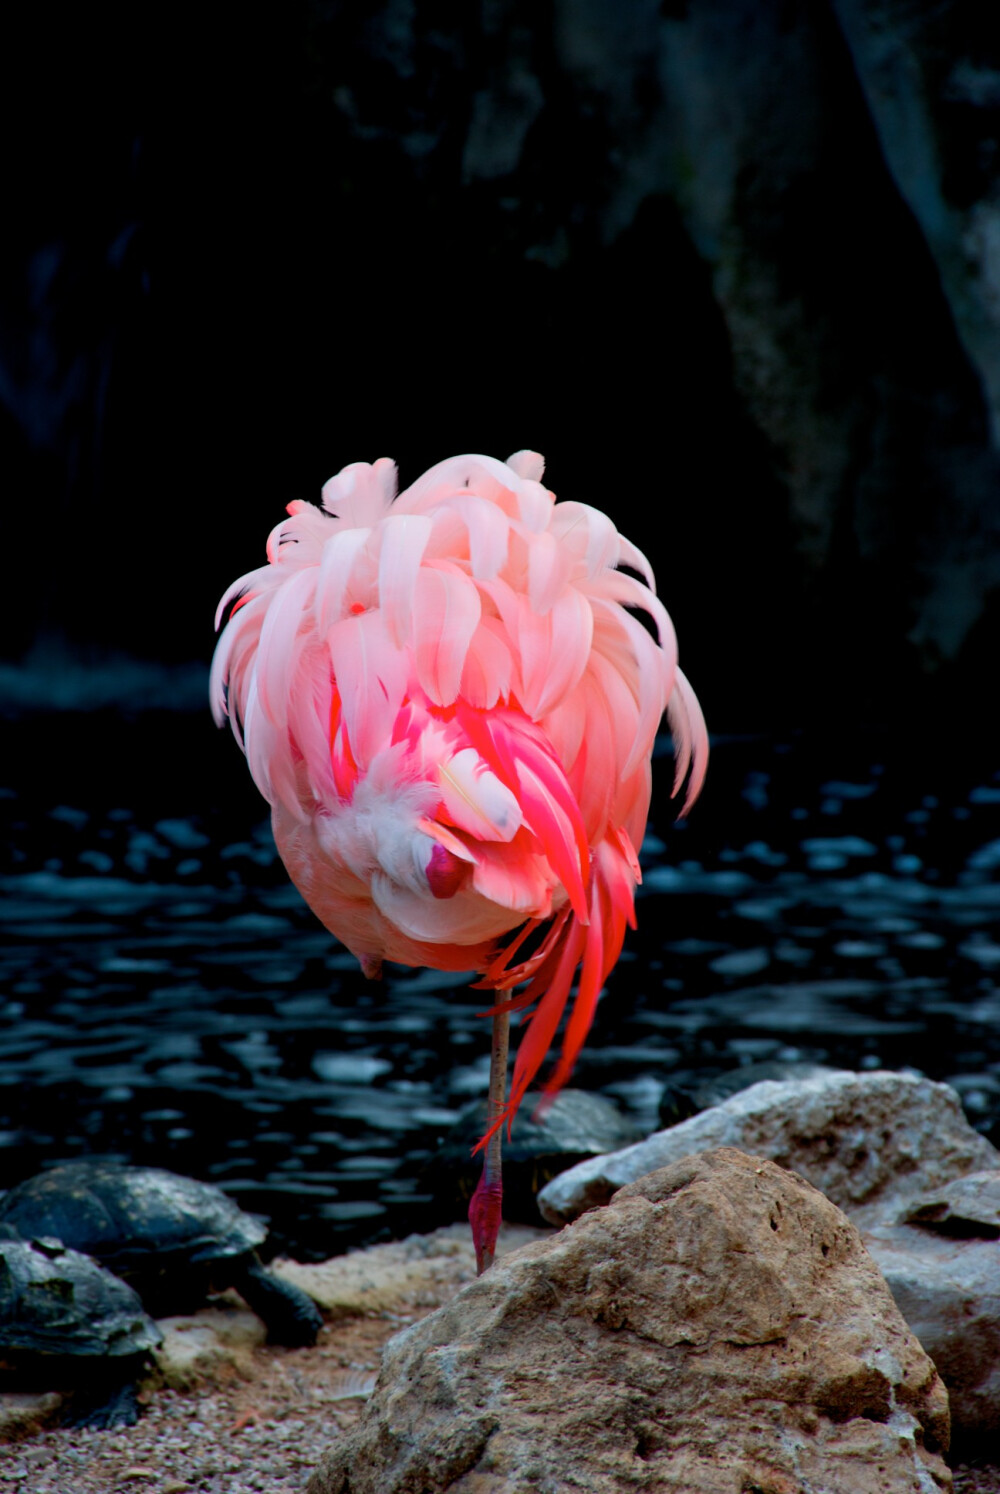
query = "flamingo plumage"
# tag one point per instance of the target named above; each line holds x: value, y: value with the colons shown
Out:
x: 448, y: 704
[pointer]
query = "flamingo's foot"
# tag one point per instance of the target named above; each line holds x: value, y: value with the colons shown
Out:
x: 484, y: 1217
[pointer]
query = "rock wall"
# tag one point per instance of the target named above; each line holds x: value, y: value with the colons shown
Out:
x: 734, y: 266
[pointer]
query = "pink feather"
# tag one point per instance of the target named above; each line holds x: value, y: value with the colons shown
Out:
x: 451, y: 709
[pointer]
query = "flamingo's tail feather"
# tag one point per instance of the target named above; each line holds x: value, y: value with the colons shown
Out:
x: 592, y: 947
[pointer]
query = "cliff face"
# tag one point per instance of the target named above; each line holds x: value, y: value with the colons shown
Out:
x: 735, y: 267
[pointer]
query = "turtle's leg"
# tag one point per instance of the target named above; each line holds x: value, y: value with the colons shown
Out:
x: 102, y: 1403
x: 289, y: 1315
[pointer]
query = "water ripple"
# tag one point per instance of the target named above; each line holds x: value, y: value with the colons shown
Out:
x: 170, y: 1000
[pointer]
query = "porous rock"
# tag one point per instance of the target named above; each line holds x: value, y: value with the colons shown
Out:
x: 868, y: 1141
x: 967, y: 1207
x: 207, y: 1347
x: 943, y: 1268
x: 719, y: 1327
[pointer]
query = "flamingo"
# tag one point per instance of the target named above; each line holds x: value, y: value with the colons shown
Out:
x: 450, y: 707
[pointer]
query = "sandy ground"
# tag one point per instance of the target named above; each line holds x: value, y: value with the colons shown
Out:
x: 262, y: 1430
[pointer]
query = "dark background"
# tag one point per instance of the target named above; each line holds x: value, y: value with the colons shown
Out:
x: 717, y: 261
x: 731, y: 266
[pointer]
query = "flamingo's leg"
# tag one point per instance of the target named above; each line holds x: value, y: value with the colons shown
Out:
x: 485, y: 1207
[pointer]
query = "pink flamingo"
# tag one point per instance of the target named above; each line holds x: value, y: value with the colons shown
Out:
x: 451, y: 711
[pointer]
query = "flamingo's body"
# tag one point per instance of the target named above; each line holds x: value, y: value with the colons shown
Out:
x: 452, y: 714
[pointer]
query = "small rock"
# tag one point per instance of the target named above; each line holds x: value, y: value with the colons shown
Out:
x: 419, y: 1271
x: 208, y: 1346
x: 22, y: 1413
x: 874, y: 1139
x: 968, y: 1206
x: 719, y: 1327
x: 944, y: 1272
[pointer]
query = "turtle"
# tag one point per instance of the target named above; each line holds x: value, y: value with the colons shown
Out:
x: 68, y: 1324
x: 171, y: 1238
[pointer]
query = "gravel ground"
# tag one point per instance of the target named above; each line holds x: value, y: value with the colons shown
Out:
x: 263, y: 1433
x: 977, y: 1477
x: 257, y: 1431
x: 258, y: 1436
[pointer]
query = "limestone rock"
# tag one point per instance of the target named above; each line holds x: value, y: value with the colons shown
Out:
x: 420, y: 1271
x: 211, y: 1345
x: 719, y: 1327
x: 868, y: 1141
x: 943, y: 1269
x: 968, y: 1206
x: 948, y: 1290
x: 22, y: 1413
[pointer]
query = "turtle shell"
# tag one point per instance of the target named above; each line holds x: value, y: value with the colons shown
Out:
x: 132, y: 1218
x: 58, y: 1303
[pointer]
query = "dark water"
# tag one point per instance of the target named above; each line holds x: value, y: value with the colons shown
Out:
x: 167, y: 998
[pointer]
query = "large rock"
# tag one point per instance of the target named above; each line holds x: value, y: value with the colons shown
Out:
x: 868, y: 1141
x: 719, y: 1327
x: 887, y: 1148
x: 824, y: 212
x: 931, y: 77
x: 943, y: 1269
